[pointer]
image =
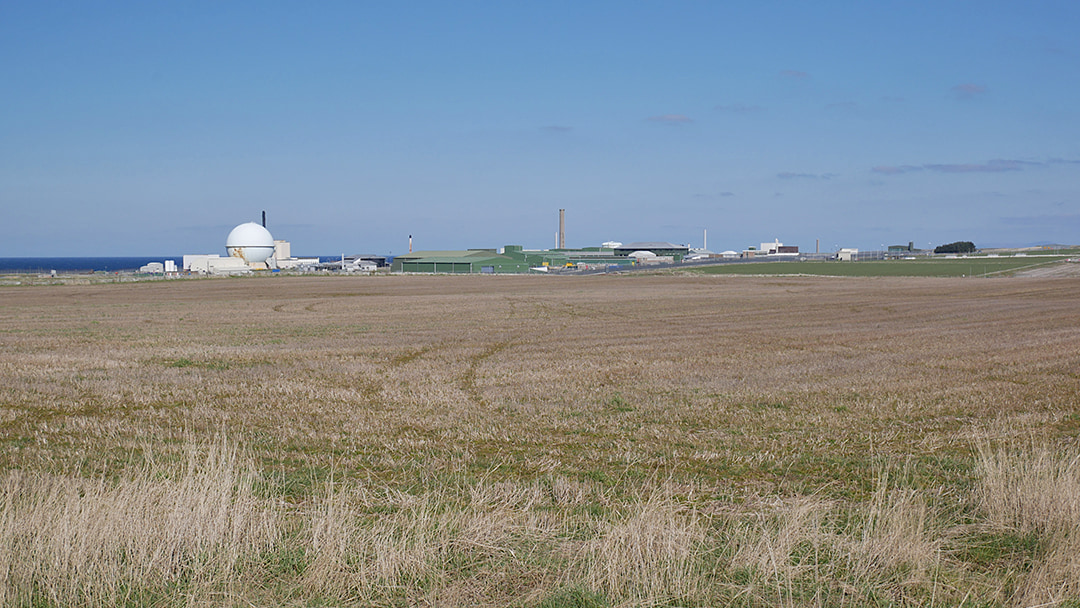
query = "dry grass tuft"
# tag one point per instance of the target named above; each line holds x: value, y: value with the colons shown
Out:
x: 1036, y: 492
x: 765, y: 544
x: 900, y: 545
x: 650, y: 556
x: 808, y: 547
x: 428, y: 547
x: 76, y: 542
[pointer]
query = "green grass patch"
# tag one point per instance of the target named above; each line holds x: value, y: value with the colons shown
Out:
x: 618, y: 404
x: 217, y: 363
x: 291, y: 480
x: 1001, y: 549
x: 574, y: 598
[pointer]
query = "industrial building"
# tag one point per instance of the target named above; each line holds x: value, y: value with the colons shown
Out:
x: 249, y: 247
x: 166, y: 267
x: 658, y: 249
x: 512, y: 259
x: 472, y: 261
x: 516, y: 259
x: 356, y: 263
x: 212, y: 263
x: 775, y: 248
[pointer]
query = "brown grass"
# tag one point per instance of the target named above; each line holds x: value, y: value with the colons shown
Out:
x: 540, y: 441
x: 1036, y: 493
x: 649, y: 556
x: 88, y: 542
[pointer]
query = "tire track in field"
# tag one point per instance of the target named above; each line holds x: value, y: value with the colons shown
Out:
x: 546, y: 319
x: 544, y: 312
x: 286, y: 308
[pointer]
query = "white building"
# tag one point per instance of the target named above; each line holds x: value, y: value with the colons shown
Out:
x: 770, y: 248
x: 282, y: 250
x: 283, y: 260
x: 360, y: 265
x: 212, y: 263
x: 848, y: 255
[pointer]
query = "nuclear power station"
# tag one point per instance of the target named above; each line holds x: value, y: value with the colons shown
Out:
x: 251, y: 247
x: 248, y: 247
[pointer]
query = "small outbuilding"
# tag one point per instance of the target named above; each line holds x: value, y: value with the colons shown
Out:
x: 847, y: 255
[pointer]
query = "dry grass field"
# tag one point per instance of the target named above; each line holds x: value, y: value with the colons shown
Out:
x: 541, y: 442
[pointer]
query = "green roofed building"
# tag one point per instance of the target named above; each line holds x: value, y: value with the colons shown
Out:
x: 588, y: 257
x: 472, y: 261
x: 513, y: 259
x: 676, y: 252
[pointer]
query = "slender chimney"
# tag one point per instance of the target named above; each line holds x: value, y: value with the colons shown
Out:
x: 264, y: 219
x: 562, y: 229
x: 704, y: 238
x: 410, y: 243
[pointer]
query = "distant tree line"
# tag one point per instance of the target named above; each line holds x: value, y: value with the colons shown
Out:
x: 957, y: 247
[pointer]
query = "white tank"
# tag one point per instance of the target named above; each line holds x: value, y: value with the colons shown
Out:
x: 250, y: 242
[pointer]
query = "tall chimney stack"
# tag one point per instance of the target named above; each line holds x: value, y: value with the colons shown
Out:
x: 264, y: 219
x: 562, y: 229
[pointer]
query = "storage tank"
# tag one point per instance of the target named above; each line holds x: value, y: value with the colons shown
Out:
x: 250, y: 242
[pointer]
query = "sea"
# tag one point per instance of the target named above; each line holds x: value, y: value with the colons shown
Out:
x: 91, y: 265
x: 76, y: 265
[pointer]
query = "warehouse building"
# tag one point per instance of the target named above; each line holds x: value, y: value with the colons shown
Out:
x: 472, y: 261
x: 512, y: 259
x: 588, y: 257
x: 670, y: 250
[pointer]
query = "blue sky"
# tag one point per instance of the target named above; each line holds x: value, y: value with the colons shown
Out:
x: 149, y: 128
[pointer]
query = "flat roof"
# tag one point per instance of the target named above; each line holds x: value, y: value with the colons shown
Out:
x: 471, y: 256
x: 652, y: 245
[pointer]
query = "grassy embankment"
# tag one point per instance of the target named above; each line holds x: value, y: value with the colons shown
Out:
x: 541, y: 441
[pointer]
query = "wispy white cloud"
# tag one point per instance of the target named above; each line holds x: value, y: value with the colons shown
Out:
x: 895, y: 169
x: 739, y: 108
x: 968, y: 91
x: 791, y: 175
x: 991, y: 166
x: 557, y: 129
x: 671, y: 119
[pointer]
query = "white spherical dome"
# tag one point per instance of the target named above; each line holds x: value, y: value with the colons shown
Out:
x: 251, y: 242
